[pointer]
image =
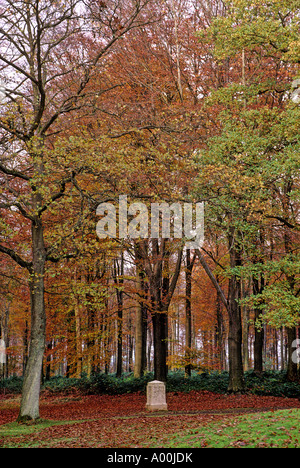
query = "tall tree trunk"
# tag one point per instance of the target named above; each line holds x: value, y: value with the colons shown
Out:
x: 236, y: 372
x: 219, y: 334
x: 246, y: 316
x: 259, y: 340
x: 160, y: 333
x: 32, y: 379
x: 78, y: 343
x: 120, y: 335
x: 4, y: 335
x: 138, y: 352
x: 188, y: 312
x: 235, y: 337
x: 282, y: 359
x: 161, y: 288
x: 141, y: 329
x: 258, y: 345
x: 91, y: 337
x: 130, y: 345
x: 119, y: 282
x: 292, y: 367
x: 25, y: 347
x: 48, y: 361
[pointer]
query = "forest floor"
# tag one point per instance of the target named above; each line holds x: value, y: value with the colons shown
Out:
x: 195, y: 419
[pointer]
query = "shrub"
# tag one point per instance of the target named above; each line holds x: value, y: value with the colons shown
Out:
x: 268, y: 383
x: 109, y: 384
x: 11, y: 385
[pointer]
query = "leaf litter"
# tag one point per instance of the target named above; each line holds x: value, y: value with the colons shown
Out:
x: 121, y: 421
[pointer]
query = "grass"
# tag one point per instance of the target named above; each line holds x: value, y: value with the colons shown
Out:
x: 15, y: 429
x: 278, y: 429
x: 12, y: 432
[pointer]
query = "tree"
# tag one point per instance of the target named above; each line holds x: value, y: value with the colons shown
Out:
x: 154, y: 260
x: 118, y: 275
x: 141, y: 317
x: 188, y: 307
x: 236, y: 173
x: 39, y: 90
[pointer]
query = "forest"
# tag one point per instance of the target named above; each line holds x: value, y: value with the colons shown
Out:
x: 163, y: 102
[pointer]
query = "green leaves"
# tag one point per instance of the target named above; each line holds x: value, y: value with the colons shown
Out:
x: 280, y: 300
x: 249, y: 172
x: 273, y: 26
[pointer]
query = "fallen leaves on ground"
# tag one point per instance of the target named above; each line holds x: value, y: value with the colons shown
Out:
x: 121, y: 421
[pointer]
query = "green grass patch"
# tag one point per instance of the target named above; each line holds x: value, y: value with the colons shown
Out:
x: 279, y: 429
x: 276, y: 429
x: 11, y: 434
x: 15, y: 429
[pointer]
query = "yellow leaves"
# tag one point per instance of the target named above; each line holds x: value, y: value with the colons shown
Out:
x: 229, y: 178
x: 272, y: 25
x: 294, y: 51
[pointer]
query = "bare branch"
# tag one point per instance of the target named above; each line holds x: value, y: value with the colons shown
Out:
x: 57, y: 195
x: 17, y: 258
x: 13, y: 173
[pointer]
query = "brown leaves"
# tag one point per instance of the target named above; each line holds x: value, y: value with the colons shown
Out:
x: 121, y: 421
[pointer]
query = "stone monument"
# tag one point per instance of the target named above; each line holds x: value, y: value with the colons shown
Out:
x: 156, y: 396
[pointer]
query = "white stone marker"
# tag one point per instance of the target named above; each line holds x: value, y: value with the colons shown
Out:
x: 156, y: 396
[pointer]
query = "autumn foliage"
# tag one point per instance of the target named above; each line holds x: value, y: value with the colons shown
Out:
x: 175, y: 101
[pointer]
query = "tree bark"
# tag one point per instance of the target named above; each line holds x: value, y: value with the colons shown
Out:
x: 78, y: 343
x: 140, y: 364
x: 32, y: 379
x: 188, y: 312
x: 258, y: 345
x: 258, y: 288
x: 292, y: 367
x: 235, y: 336
x: 161, y: 287
x: 120, y: 339
x: 119, y: 282
x: 236, y: 372
x: 219, y: 334
x: 160, y: 329
x: 160, y: 332
x: 259, y: 329
x: 48, y: 362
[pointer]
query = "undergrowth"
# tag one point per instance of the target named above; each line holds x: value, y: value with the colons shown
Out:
x: 271, y: 383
